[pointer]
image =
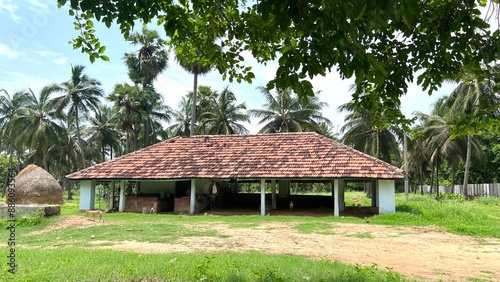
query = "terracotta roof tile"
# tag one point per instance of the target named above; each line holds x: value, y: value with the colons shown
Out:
x: 284, y: 155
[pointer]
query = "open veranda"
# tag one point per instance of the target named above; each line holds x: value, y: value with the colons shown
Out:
x: 426, y: 239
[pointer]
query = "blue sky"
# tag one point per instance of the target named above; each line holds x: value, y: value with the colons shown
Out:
x: 34, y: 52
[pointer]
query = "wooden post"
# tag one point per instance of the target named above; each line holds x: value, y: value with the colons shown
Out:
x: 405, y: 157
x: 336, y: 198
x: 112, y: 195
x: 262, y: 197
x: 273, y: 189
x: 121, y: 205
x: 192, y: 201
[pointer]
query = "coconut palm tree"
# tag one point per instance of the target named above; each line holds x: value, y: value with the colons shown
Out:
x: 182, y: 118
x: 80, y: 96
x: 285, y: 112
x: 102, y: 132
x: 153, y: 112
x: 126, y: 112
x: 224, y: 118
x: 469, y: 98
x: 439, y: 144
x: 65, y: 154
x: 39, y: 127
x: 360, y: 132
x: 8, y: 107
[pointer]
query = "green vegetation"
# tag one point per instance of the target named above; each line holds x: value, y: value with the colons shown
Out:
x: 71, y: 247
x: 479, y: 217
x: 74, y: 264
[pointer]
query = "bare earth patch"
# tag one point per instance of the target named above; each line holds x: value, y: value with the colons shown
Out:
x: 72, y: 221
x: 419, y: 252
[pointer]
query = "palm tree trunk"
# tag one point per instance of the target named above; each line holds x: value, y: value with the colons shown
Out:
x: 467, y: 166
x: 127, y: 146
x: 146, y: 132
x: 432, y: 180
x: 193, y: 109
x: 453, y: 178
x: 437, y: 178
x: 80, y: 142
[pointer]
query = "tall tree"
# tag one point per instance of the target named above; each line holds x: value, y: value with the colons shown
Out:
x: 182, y: 118
x: 226, y: 115
x: 471, y: 97
x: 126, y: 112
x: 40, y: 128
x: 439, y: 144
x: 80, y: 95
x: 362, y: 133
x: 144, y: 66
x: 384, y: 44
x: 102, y: 132
x: 8, y: 107
x: 286, y: 112
x: 147, y: 63
x: 192, y: 60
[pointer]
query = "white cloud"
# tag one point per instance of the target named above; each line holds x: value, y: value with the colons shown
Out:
x: 56, y: 58
x: 7, y: 52
x: 60, y: 60
x: 15, y: 81
x: 47, y: 54
x: 37, y: 5
x: 10, y: 7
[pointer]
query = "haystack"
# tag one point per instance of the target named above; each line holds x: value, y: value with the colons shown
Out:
x: 34, y: 185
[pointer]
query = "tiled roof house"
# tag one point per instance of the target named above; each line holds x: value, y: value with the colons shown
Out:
x: 263, y: 157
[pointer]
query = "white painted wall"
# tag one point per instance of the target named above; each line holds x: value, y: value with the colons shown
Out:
x: 87, y: 194
x: 386, y: 196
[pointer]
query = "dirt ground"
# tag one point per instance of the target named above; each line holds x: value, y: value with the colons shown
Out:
x: 418, y: 252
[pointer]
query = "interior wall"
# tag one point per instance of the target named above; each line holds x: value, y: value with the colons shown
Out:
x: 158, y: 187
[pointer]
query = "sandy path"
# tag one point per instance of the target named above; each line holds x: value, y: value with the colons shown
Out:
x: 420, y: 252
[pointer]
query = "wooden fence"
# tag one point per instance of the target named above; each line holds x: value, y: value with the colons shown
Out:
x: 481, y: 190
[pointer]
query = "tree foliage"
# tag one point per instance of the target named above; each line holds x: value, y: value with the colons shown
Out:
x: 383, y: 44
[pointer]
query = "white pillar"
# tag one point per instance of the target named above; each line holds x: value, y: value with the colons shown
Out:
x: 386, y: 196
x: 87, y: 195
x: 121, y: 204
x: 192, y: 201
x: 336, y: 198
x: 262, y: 197
x: 273, y: 191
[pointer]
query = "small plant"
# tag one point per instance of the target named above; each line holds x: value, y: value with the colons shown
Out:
x: 204, y: 271
x: 269, y: 275
x: 450, y: 197
x: 28, y: 221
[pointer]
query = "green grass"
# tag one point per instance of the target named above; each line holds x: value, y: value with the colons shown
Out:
x: 479, y: 217
x: 104, y: 265
x: 315, y: 227
x: 66, y: 255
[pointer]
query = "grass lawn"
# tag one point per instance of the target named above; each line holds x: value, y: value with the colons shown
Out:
x: 66, y: 254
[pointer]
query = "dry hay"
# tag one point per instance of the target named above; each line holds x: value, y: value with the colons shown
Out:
x: 34, y: 185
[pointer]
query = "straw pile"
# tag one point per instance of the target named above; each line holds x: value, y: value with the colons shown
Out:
x: 34, y: 185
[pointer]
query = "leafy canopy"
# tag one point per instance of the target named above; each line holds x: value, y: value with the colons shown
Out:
x: 383, y: 44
